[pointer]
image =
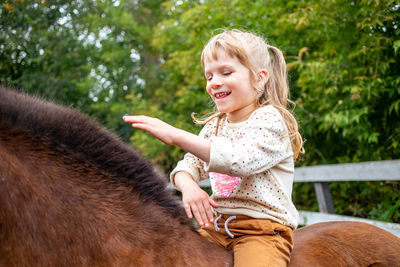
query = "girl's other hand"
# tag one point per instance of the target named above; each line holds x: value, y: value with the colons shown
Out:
x: 198, y: 203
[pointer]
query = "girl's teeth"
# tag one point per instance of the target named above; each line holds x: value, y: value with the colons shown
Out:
x: 221, y: 94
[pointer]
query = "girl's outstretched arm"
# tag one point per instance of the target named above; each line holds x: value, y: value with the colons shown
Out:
x: 196, y: 201
x: 170, y: 135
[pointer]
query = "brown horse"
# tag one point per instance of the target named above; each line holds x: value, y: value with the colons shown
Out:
x: 72, y: 194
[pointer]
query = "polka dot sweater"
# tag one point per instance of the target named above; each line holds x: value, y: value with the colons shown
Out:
x: 251, y: 166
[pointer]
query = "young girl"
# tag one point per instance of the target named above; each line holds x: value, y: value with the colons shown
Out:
x: 247, y: 149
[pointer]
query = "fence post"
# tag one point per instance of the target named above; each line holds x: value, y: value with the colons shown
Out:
x: 324, y: 197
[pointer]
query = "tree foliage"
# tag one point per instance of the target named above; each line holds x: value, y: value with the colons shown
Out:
x: 108, y: 58
x: 84, y: 53
x: 40, y: 51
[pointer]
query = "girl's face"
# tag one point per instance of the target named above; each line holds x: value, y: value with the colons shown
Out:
x: 230, y: 87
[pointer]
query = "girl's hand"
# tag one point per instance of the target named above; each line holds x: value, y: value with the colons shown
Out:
x: 195, y: 200
x: 170, y: 135
x: 198, y: 203
x: 159, y: 129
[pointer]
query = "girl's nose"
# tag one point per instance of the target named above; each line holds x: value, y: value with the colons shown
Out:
x: 215, y: 83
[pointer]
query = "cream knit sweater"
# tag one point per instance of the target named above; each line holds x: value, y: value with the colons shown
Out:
x: 251, y: 167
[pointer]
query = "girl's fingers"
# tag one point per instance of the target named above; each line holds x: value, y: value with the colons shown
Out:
x: 197, y: 215
x: 202, y: 210
x: 130, y: 119
x: 213, y: 203
x: 137, y: 119
x: 208, y: 211
x: 188, y: 211
x: 141, y: 126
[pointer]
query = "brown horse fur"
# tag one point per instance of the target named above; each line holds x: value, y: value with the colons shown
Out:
x: 344, y: 244
x: 72, y: 194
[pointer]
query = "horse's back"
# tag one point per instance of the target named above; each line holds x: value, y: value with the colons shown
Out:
x: 345, y: 244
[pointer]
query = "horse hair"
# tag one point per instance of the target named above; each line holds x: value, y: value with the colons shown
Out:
x: 78, y: 135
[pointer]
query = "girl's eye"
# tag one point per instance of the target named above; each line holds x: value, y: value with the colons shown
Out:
x: 208, y: 78
x: 226, y: 73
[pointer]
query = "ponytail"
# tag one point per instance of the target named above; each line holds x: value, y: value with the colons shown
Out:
x: 276, y: 92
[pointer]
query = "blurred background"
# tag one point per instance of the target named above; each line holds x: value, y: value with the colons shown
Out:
x: 107, y: 58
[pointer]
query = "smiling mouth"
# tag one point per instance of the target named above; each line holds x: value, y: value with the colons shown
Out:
x: 221, y: 95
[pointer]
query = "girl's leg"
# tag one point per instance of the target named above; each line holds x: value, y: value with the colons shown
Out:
x: 265, y: 250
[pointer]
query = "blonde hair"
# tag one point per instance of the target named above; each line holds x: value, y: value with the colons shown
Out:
x: 253, y: 52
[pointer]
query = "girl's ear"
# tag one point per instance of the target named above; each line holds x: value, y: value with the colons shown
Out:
x: 262, y: 77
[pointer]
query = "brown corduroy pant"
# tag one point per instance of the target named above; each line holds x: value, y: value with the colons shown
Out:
x: 256, y: 242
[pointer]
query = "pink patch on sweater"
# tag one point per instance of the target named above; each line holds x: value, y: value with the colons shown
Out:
x: 225, y: 184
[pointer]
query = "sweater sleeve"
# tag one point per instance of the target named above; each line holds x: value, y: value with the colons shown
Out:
x: 259, y: 146
x: 192, y: 164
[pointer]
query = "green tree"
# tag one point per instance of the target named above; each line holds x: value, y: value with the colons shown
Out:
x: 40, y: 52
x: 89, y: 54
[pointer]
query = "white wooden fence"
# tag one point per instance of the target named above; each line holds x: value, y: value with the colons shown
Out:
x: 321, y: 175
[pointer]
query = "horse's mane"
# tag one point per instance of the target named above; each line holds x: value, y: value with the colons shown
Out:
x: 79, y: 135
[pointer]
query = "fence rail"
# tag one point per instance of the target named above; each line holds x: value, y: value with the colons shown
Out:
x: 321, y: 175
